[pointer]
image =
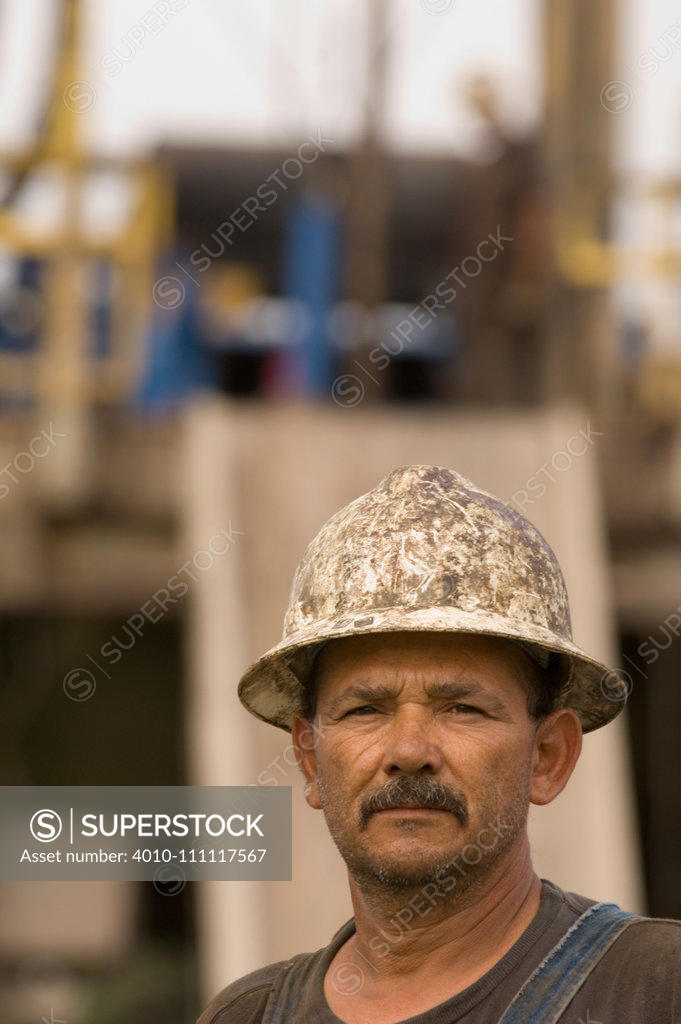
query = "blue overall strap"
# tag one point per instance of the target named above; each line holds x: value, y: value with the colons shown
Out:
x: 284, y: 1000
x: 548, y: 991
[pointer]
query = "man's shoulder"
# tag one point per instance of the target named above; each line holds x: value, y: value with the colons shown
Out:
x: 669, y: 928
x: 645, y: 955
x: 244, y: 1000
x: 653, y: 938
x: 638, y: 978
x: 243, y: 997
x: 666, y: 929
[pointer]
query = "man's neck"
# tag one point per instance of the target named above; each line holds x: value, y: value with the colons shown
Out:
x: 421, y: 958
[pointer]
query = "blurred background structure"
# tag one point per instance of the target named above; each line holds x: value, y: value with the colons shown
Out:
x: 252, y: 257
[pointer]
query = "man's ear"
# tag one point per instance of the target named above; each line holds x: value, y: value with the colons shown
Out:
x: 303, y: 737
x: 558, y: 744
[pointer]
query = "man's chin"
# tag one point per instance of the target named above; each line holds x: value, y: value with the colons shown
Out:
x: 407, y: 869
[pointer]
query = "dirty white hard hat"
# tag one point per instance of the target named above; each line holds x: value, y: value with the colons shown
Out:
x: 428, y: 550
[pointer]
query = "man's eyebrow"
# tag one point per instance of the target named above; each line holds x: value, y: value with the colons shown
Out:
x: 448, y: 690
x: 360, y: 692
x: 456, y: 690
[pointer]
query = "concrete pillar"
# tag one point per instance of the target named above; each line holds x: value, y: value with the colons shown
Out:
x: 230, y: 914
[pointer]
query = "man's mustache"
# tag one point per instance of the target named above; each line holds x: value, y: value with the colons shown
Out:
x: 414, y: 791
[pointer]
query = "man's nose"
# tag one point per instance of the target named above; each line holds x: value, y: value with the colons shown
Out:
x: 410, y: 743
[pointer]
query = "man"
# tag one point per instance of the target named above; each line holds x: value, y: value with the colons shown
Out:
x: 429, y: 677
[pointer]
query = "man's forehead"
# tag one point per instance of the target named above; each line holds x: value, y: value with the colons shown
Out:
x: 383, y: 651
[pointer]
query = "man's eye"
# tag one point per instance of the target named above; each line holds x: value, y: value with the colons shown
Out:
x: 466, y: 708
x: 364, y: 709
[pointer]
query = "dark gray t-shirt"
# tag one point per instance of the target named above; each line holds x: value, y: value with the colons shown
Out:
x: 638, y: 981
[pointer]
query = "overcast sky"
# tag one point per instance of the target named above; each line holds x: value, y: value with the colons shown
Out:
x: 263, y: 70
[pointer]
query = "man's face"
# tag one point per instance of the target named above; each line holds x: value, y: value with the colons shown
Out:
x: 423, y: 752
